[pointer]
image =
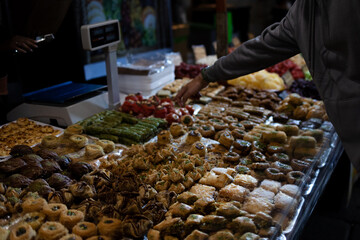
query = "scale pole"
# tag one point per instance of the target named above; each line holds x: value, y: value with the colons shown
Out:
x: 112, y: 76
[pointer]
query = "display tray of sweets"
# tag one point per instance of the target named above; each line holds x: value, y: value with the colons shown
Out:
x: 78, y: 146
x: 234, y: 170
x: 23, y: 131
x: 121, y: 127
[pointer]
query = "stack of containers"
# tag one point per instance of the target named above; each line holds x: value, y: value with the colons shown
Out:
x: 145, y: 80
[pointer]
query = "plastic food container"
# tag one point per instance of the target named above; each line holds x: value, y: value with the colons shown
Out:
x: 147, y: 82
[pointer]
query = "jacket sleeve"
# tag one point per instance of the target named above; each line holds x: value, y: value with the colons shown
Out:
x: 276, y: 43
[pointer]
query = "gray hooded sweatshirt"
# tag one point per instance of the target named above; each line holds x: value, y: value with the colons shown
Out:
x: 327, y: 33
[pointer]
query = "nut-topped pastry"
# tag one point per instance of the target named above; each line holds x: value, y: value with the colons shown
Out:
x: 192, y: 137
x: 51, y: 231
x: 164, y: 138
x: 53, y: 210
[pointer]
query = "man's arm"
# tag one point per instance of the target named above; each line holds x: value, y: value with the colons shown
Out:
x: 276, y: 43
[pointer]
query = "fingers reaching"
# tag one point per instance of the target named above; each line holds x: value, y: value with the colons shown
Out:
x: 190, y: 90
x: 179, y: 99
x: 23, y: 44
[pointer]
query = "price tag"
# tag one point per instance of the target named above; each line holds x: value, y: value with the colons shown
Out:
x: 288, y: 78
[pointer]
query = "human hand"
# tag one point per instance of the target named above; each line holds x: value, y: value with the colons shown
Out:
x: 190, y: 90
x: 22, y: 44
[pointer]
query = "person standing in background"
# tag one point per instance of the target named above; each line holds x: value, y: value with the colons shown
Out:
x: 10, y: 45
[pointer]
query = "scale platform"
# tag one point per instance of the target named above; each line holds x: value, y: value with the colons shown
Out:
x: 63, y: 104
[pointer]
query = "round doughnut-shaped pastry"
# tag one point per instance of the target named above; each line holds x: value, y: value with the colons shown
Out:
x: 177, y: 129
x: 232, y: 157
x: 260, y: 165
x: 248, y: 124
x: 311, y: 161
x: 282, y: 167
x: 85, y: 229
x: 271, y: 149
x: 93, y: 151
x: 34, y: 219
x: 258, y: 146
x: 198, y: 148
x: 274, y: 174
x: 110, y: 227
x: 164, y: 138
x: 78, y: 141
x: 295, y: 177
x: 217, y: 134
x: 187, y: 120
x: 73, y: 129
x: 281, y: 157
x: 236, y: 125
x: 192, y: 137
x: 242, y: 146
x: 71, y: 237
x: 71, y: 217
x: 226, y: 139
x: 242, y: 169
x: 257, y: 156
x: 220, y: 126
x: 216, y: 115
x: 51, y: 231
x: 23, y: 121
x: 22, y: 231
x: 299, y: 165
x: 49, y: 141
x: 201, y: 116
x: 207, y: 131
x: 33, y: 205
x: 238, y: 133
x: 107, y: 145
x: 230, y: 119
x: 53, y: 210
x: 100, y: 237
x: 195, y: 126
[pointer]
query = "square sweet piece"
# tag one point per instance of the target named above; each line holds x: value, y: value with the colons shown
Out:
x: 271, y: 185
x: 285, y: 203
x: 291, y: 190
x: 234, y: 192
x: 246, y: 181
x: 254, y: 205
x: 262, y: 193
x: 203, y: 191
x: 216, y: 180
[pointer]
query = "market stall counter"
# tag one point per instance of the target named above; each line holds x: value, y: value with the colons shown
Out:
x: 247, y: 165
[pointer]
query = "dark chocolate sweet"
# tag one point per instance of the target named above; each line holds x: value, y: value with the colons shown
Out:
x: 20, y: 150
x: 41, y: 187
x: 79, y: 169
x: 63, y: 161
x: 59, y: 181
x: 32, y: 172
x: 50, y: 166
x: 18, y: 181
x: 32, y: 159
x: 12, y: 165
x: 47, y: 154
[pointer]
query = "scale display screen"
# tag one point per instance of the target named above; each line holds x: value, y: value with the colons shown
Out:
x: 100, y: 35
x: 104, y: 35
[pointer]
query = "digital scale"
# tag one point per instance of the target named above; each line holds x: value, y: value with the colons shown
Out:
x: 70, y: 102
